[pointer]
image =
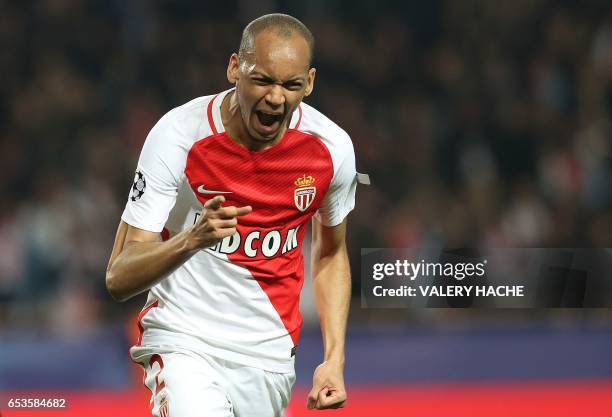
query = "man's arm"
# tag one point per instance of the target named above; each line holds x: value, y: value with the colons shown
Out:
x: 332, y: 290
x: 140, y: 259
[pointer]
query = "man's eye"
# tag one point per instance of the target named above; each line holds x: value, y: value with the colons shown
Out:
x: 261, y: 81
x: 293, y: 86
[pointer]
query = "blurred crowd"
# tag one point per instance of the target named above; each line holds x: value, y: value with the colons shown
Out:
x: 481, y: 123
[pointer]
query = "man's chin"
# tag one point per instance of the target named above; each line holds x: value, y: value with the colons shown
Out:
x: 264, y: 136
x: 259, y: 137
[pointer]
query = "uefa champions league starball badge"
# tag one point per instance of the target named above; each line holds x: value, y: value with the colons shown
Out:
x: 138, y: 188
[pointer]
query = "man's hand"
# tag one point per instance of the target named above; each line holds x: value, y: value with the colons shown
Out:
x: 327, y: 387
x: 140, y: 259
x: 215, y: 224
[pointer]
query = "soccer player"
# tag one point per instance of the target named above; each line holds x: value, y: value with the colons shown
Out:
x: 213, y: 228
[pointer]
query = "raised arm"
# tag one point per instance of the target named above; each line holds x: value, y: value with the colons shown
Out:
x: 332, y: 290
x: 140, y: 259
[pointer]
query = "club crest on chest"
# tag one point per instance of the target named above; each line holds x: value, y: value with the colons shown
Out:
x: 305, y: 192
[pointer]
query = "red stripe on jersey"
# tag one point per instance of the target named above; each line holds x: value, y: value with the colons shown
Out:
x: 158, y: 385
x: 283, y: 290
x: 274, y: 230
x: 209, y: 112
x: 140, y: 317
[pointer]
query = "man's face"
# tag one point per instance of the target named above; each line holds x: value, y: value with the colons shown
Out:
x: 271, y: 82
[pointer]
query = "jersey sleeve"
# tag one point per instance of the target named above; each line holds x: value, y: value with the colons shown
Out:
x: 340, y: 197
x: 159, y: 171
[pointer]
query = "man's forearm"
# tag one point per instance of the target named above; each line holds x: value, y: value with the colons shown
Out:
x: 332, y: 289
x: 140, y: 265
x: 143, y: 261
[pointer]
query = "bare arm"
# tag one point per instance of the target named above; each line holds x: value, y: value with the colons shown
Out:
x: 140, y: 259
x: 332, y: 290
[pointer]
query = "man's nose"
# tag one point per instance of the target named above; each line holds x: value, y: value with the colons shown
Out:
x: 275, y: 96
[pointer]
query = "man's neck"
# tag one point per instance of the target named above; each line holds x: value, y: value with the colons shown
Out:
x: 237, y: 131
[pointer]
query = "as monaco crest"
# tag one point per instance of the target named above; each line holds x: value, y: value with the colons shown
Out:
x: 163, y: 408
x: 305, y: 193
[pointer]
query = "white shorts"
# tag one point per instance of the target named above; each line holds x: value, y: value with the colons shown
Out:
x: 189, y: 384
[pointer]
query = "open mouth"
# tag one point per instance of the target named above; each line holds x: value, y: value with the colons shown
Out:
x: 269, y: 121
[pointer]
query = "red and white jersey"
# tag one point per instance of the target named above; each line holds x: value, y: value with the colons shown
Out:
x: 239, y: 300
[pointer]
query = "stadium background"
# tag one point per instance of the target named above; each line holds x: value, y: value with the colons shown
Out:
x: 480, y: 122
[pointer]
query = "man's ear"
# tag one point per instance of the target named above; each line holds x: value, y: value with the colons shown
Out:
x: 233, y: 67
x: 310, y: 81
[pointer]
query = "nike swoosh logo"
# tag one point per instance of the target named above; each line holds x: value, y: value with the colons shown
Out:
x: 203, y: 190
